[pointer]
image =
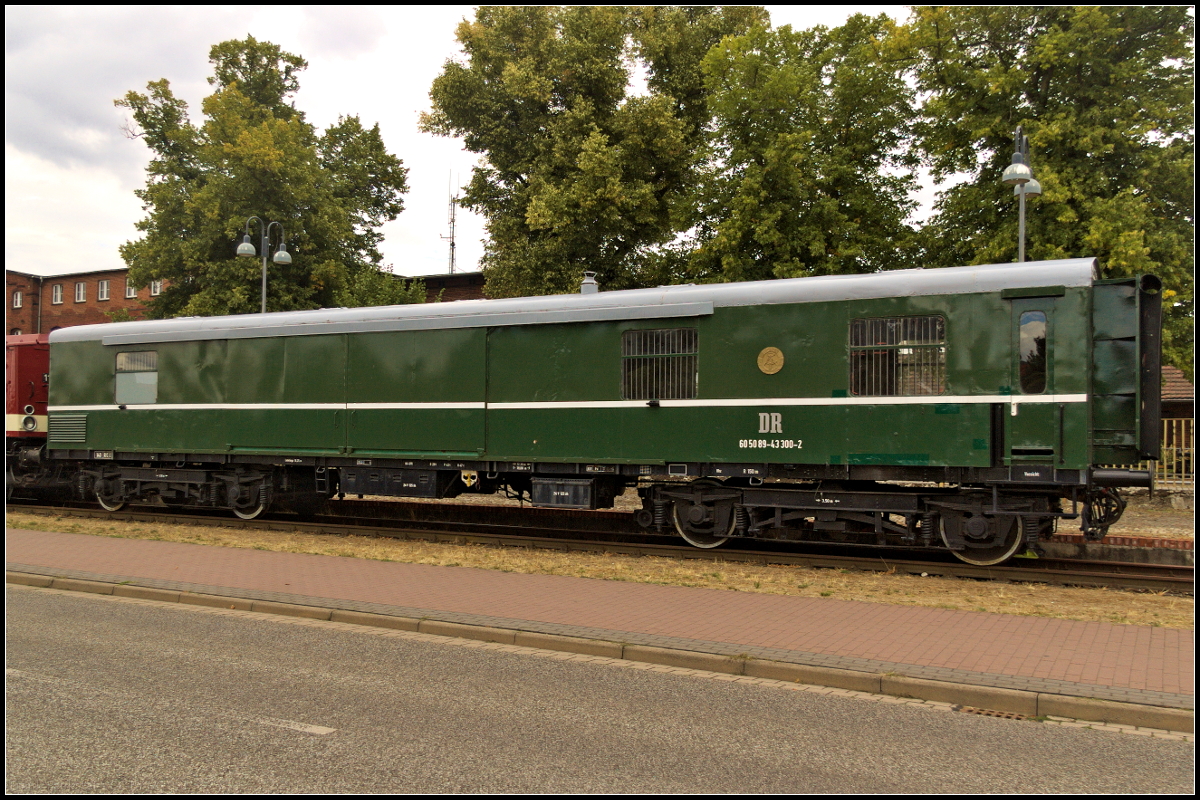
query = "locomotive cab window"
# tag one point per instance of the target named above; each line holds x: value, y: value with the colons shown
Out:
x: 659, y: 364
x: 898, y: 356
x: 137, y: 378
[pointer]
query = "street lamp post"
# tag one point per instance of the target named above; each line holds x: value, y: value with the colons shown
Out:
x: 1019, y: 175
x: 281, y: 255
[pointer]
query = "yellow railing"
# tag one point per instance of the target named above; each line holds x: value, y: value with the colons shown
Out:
x: 1176, y: 468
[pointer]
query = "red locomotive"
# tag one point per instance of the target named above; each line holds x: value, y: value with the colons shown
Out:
x: 26, y: 387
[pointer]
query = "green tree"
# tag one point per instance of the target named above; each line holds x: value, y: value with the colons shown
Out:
x: 577, y: 175
x: 1106, y: 96
x: 379, y: 287
x: 255, y: 155
x: 810, y: 170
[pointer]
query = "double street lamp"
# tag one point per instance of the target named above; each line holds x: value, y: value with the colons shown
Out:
x: 1019, y: 175
x: 281, y: 255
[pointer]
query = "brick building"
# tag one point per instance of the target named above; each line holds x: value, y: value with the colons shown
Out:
x: 459, y: 286
x: 1178, y: 395
x: 40, y: 304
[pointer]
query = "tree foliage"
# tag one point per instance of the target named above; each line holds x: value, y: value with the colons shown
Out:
x: 1106, y: 98
x: 255, y: 155
x: 810, y: 165
x: 764, y: 153
x: 577, y: 175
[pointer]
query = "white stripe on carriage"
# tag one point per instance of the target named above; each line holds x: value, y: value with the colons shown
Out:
x: 758, y: 402
x: 272, y: 407
x: 738, y: 402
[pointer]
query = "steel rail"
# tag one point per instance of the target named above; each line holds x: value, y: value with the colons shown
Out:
x: 1121, y: 575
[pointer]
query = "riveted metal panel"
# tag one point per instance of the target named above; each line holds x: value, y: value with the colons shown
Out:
x: 415, y: 393
x: 81, y: 373
x: 1115, y: 371
x: 1115, y: 311
x: 1116, y: 366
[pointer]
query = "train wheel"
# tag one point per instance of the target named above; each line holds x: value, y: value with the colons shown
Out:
x: 694, y: 533
x: 109, y: 504
x: 252, y: 512
x: 249, y: 500
x: 1005, y: 541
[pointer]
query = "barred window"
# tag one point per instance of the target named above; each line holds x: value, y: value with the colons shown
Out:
x: 141, y: 361
x: 659, y: 364
x: 137, y: 378
x: 898, y: 356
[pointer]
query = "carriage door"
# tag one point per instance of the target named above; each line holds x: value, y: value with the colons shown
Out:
x: 1034, y: 419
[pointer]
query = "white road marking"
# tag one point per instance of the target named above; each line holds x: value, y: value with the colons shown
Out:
x: 302, y: 727
x: 316, y: 730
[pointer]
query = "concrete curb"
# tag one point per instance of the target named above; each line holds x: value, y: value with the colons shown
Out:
x: 1027, y: 703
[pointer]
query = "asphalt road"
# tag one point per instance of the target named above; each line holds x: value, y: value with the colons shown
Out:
x: 112, y: 695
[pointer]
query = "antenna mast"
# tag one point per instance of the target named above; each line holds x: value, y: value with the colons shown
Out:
x: 451, y: 216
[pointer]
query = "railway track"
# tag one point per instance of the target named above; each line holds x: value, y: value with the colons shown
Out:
x: 578, y: 531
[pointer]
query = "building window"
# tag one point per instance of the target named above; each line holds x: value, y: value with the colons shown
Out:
x: 16, y: 299
x: 102, y: 290
x: 80, y: 292
x: 659, y: 364
x: 15, y: 332
x: 56, y: 294
x: 130, y: 291
x: 898, y: 356
x: 155, y: 288
x: 137, y: 378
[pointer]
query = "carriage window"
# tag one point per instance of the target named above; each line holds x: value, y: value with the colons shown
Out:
x: 898, y: 356
x: 137, y: 378
x: 659, y: 364
x: 1033, y: 352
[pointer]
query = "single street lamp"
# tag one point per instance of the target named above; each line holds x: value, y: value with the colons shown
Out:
x: 281, y: 255
x: 1019, y: 175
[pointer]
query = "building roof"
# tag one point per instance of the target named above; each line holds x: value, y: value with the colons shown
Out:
x: 1176, y: 385
x: 663, y: 302
x: 62, y: 275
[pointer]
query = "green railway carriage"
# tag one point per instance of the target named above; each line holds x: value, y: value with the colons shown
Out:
x: 959, y: 407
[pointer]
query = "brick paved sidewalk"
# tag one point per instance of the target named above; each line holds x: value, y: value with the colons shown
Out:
x: 1087, y: 659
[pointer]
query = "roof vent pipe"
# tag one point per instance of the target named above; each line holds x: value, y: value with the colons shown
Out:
x: 589, y: 285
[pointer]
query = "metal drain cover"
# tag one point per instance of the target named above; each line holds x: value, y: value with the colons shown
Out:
x: 987, y: 712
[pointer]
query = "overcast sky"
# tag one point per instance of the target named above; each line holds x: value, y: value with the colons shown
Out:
x: 70, y: 173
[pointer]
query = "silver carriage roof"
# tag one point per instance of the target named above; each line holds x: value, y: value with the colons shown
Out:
x: 661, y: 303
